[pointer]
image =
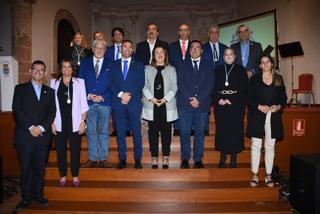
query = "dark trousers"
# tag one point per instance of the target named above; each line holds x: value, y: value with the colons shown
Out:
x: 61, y: 141
x: 153, y: 133
x: 32, y: 157
x: 121, y: 113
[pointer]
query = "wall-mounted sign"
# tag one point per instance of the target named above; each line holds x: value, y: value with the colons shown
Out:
x: 299, y: 127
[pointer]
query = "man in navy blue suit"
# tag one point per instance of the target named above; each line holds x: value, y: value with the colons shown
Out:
x: 247, y: 52
x: 126, y: 84
x: 95, y: 71
x: 178, y: 51
x: 34, y: 110
x: 195, y: 84
x: 114, y: 53
x: 213, y: 52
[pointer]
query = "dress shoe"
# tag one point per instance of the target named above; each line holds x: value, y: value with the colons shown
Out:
x: 128, y: 133
x: 184, y: 164
x: 42, y: 201
x: 90, y: 164
x: 154, y: 163
x: 76, y: 182
x: 114, y: 133
x: 137, y: 164
x: 222, y: 165
x: 105, y: 164
x: 122, y: 164
x: 206, y: 133
x: 198, y: 165
x: 176, y: 132
x: 21, y: 205
x: 62, y: 181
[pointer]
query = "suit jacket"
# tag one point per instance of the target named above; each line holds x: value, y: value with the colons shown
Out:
x: 98, y: 86
x: 175, y: 53
x: 170, y: 89
x: 110, y: 53
x: 29, y: 111
x: 208, y: 54
x: 256, y: 119
x: 191, y: 84
x: 79, y: 103
x: 255, y: 52
x: 143, y: 50
x: 133, y: 83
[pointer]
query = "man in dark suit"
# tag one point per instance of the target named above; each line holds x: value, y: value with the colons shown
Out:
x: 145, y: 48
x: 126, y: 84
x: 195, y: 84
x: 178, y: 51
x: 213, y: 52
x: 247, y: 52
x: 114, y: 53
x: 95, y: 70
x: 34, y: 111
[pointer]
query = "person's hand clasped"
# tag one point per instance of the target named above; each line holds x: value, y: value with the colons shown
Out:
x: 264, y: 108
x: 275, y: 108
x: 35, y: 131
x: 125, y: 98
x: 194, y: 102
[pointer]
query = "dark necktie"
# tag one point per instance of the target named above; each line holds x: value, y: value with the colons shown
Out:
x: 96, y: 68
x: 215, y: 53
x: 195, y: 66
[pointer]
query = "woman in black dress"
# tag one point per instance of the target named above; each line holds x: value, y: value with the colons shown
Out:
x: 266, y: 98
x: 77, y: 51
x: 231, y: 84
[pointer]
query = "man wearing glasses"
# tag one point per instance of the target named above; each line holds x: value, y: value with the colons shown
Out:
x: 34, y: 110
x: 247, y: 52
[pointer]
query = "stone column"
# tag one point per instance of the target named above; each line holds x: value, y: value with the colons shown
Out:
x: 22, y: 36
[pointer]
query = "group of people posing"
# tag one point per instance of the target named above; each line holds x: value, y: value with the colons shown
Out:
x: 164, y: 84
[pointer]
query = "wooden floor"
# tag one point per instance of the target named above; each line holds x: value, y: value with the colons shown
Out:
x: 209, y: 190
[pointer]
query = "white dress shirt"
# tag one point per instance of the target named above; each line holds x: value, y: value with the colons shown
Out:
x: 217, y: 48
x: 100, y: 63
x: 151, y: 47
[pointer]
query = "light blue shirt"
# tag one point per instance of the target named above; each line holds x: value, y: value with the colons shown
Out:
x: 245, y: 48
x: 37, y: 89
x: 117, y: 51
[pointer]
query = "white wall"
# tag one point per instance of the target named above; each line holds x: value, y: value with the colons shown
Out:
x: 298, y: 20
x: 43, y: 21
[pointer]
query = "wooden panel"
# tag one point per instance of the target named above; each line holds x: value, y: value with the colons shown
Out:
x: 10, y: 161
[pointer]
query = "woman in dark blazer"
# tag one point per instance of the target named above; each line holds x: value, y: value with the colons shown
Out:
x: 266, y: 99
x: 159, y: 104
x: 69, y: 124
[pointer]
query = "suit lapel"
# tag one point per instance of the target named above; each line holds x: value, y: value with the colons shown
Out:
x: 180, y: 50
x: 32, y: 92
x: 239, y: 52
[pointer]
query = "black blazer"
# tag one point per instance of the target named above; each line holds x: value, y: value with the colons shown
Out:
x: 255, y: 52
x: 256, y: 118
x: 175, y: 53
x: 28, y: 111
x: 143, y: 50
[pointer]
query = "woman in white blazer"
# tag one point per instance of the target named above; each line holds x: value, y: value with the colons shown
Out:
x: 159, y: 104
x: 69, y: 123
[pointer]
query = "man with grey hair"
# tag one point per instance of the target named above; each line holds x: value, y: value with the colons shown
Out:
x: 213, y: 52
x: 247, y: 52
x: 95, y: 72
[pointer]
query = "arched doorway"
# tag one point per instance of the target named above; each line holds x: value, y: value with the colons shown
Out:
x: 65, y: 35
x: 64, y: 25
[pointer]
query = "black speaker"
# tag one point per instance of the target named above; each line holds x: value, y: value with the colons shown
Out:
x: 305, y: 183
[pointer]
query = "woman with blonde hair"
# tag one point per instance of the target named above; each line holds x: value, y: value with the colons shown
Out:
x: 266, y: 99
x: 78, y: 50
